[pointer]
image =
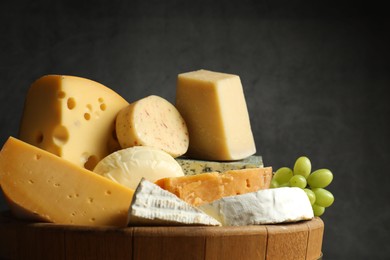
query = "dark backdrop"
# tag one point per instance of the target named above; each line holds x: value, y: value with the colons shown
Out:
x: 314, y: 76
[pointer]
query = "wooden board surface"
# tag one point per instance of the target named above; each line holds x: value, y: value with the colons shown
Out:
x: 24, y: 240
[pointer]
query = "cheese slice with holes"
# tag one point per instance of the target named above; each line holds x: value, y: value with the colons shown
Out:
x: 40, y: 185
x: 71, y: 117
x: 152, y: 205
x: 207, y: 187
x: 214, y: 108
x: 270, y: 206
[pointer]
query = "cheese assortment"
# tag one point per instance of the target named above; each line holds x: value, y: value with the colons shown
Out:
x: 152, y: 121
x: 214, y: 108
x: 42, y: 186
x: 154, y: 206
x: 207, y: 187
x: 71, y: 117
x: 190, y: 164
x: 128, y: 166
x: 193, y: 167
x: 269, y: 206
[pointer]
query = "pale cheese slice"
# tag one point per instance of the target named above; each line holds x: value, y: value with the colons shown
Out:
x: 152, y: 205
x: 214, y: 108
x: 269, y: 206
x: 128, y: 166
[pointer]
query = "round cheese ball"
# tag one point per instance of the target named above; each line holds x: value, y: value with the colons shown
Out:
x: 155, y: 122
x: 128, y: 166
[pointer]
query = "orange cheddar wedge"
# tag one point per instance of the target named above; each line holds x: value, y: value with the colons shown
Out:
x: 207, y: 187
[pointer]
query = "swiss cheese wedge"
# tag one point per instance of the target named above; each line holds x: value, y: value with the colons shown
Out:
x: 72, y: 117
x: 41, y: 185
x: 207, y: 187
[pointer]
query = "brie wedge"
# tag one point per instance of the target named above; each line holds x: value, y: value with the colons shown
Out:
x: 151, y: 205
x: 267, y: 206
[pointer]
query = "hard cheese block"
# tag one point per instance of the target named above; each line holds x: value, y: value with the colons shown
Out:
x: 204, y: 188
x: 71, y: 117
x: 214, y: 108
x: 152, y: 205
x: 128, y: 166
x: 193, y: 167
x: 270, y: 206
x: 40, y: 185
x: 152, y: 121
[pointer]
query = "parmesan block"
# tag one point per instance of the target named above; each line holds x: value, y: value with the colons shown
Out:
x: 207, y: 187
x: 214, y: 108
x: 128, y: 166
x: 152, y: 121
x: 40, y: 185
x: 193, y: 167
x: 71, y: 117
x: 270, y: 206
x: 152, y: 205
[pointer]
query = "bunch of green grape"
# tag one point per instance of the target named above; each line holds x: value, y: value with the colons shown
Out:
x: 313, y: 183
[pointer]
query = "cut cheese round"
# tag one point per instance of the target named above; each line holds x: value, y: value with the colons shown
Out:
x: 152, y: 121
x: 128, y: 166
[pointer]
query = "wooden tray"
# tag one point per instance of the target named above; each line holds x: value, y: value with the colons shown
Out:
x: 24, y: 240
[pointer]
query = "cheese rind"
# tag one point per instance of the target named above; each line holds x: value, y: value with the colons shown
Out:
x: 44, y: 185
x: 152, y: 205
x: 193, y: 167
x: 128, y: 166
x: 72, y: 117
x: 214, y: 108
x: 207, y: 187
x: 269, y: 206
x: 155, y: 122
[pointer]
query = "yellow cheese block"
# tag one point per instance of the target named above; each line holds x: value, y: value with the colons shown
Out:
x: 207, y: 187
x: 214, y: 108
x: 40, y: 185
x: 71, y: 117
x: 152, y: 121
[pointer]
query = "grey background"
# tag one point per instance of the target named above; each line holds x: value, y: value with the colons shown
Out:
x: 314, y: 76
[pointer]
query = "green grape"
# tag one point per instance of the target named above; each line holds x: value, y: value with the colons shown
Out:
x: 298, y: 181
x: 324, y: 197
x: 320, y: 178
x: 318, y: 210
x: 287, y: 184
x: 283, y: 175
x: 274, y: 184
x: 302, y: 166
x: 310, y: 194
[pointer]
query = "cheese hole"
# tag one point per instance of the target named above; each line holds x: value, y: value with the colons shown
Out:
x: 92, y: 219
x: 61, y: 94
x: 60, y: 135
x: 87, y: 116
x: 90, y: 200
x: 89, y: 107
x: 108, y: 192
x: 103, y: 107
x: 57, y: 185
x: 37, y: 157
x: 91, y: 162
x: 248, y: 184
x: 101, y: 100
x: 31, y: 181
x: 71, y: 103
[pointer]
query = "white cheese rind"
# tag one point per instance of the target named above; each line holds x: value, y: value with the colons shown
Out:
x: 152, y: 205
x: 268, y: 206
x: 128, y: 166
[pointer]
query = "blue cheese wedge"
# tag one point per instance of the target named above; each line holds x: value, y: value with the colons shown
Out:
x: 193, y: 167
x: 268, y: 206
x: 151, y: 205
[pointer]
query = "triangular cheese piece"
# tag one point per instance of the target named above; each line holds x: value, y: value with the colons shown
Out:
x: 152, y: 205
x: 267, y: 206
